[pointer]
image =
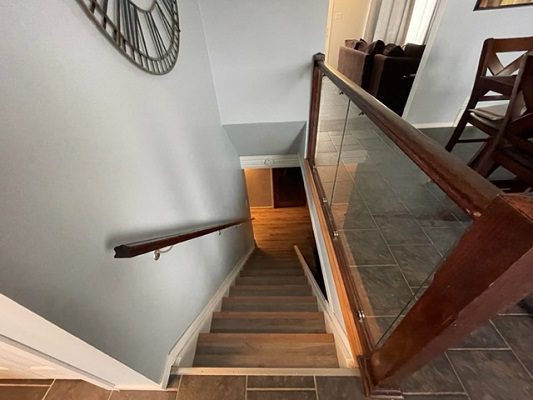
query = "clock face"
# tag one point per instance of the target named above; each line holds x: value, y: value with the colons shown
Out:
x: 147, y: 34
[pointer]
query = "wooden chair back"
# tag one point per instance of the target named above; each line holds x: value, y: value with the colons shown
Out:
x: 520, y: 111
x: 492, y: 49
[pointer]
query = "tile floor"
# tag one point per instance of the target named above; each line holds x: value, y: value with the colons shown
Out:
x: 396, y: 226
x: 196, y: 388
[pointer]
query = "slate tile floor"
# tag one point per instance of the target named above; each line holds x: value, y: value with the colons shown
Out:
x: 196, y: 388
x: 396, y: 226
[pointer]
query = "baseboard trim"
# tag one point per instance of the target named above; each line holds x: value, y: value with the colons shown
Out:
x: 430, y: 125
x: 183, y: 350
x: 332, y: 323
x: 268, y: 371
x: 270, y: 161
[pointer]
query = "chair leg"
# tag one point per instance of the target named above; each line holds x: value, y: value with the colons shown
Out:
x: 458, y: 131
x: 483, y: 162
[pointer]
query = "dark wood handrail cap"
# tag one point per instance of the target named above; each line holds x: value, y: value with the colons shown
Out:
x: 134, y: 249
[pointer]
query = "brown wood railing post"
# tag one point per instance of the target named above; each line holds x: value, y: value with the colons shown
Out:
x: 489, y: 270
x: 314, y: 110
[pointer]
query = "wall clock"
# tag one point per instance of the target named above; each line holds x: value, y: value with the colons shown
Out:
x: 145, y: 31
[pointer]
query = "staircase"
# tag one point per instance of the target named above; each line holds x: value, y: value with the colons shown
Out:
x: 269, y: 320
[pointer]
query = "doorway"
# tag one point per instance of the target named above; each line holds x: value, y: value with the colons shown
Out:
x: 275, y: 187
x: 278, y: 194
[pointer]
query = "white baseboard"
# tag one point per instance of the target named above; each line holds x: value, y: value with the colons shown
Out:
x: 346, y: 358
x: 430, y: 125
x: 182, y: 354
x: 56, y: 348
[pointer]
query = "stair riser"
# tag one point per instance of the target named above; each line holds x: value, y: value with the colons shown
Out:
x: 228, y: 325
x: 271, y: 272
x: 255, y: 361
x: 271, y: 280
x: 270, y: 304
x: 272, y: 307
x: 273, y: 266
x: 270, y: 291
x: 277, y: 270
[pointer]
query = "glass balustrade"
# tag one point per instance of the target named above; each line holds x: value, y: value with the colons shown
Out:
x: 331, y: 127
x: 394, y: 223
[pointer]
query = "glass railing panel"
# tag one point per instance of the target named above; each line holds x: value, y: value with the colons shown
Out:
x: 331, y: 127
x: 394, y: 223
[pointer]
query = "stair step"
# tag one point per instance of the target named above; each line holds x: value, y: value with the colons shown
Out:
x: 272, y: 350
x: 273, y: 265
x: 275, y: 252
x: 268, y: 322
x: 282, y: 263
x: 271, y: 280
x: 270, y: 303
x: 270, y: 290
x: 274, y: 257
x: 272, y: 272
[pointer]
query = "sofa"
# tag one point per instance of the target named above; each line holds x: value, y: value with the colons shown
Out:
x: 355, y: 60
x: 385, y: 71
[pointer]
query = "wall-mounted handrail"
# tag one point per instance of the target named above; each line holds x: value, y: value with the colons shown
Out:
x: 134, y: 249
x: 463, y: 185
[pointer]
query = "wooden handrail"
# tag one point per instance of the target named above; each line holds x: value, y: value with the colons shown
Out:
x: 463, y: 185
x: 483, y: 274
x: 134, y: 249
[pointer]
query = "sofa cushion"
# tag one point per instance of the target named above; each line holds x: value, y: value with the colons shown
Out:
x: 354, y: 43
x: 413, y: 50
x: 360, y: 43
x: 351, y: 43
x: 393, y: 50
x: 372, y: 48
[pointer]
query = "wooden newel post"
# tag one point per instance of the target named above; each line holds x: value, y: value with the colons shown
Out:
x: 490, y: 269
x: 314, y: 110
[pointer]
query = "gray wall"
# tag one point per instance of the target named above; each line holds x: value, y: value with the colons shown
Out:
x: 447, y: 70
x: 266, y: 138
x: 261, y: 55
x: 94, y: 152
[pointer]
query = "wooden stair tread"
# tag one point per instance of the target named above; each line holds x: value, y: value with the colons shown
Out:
x: 271, y: 290
x: 297, y: 340
x: 266, y: 361
x: 268, y: 315
x: 268, y: 322
x: 272, y: 266
x: 272, y: 272
x: 267, y: 261
x: 269, y: 303
x: 266, y: 350
x: 271, y: 280
x: 272, y: 299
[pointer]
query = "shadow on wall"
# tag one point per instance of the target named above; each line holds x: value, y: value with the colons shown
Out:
x: 273, y: 138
